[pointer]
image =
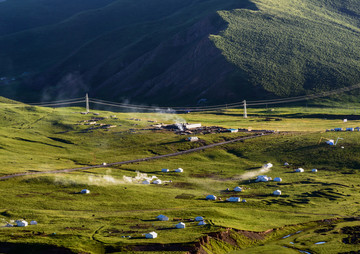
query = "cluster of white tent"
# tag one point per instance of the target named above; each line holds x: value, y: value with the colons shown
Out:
x: 21, y: 223
x: 301, y: 170
x: 178, y: 170
x: 180, y: 225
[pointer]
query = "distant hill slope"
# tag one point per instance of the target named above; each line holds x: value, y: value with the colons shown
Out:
x: 179, y: 51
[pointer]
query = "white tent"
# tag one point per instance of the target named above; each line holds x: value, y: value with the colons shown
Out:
x: 158, y: 181
x: 268, y: 165
x: 238, y: 189
x: 314, y: 170
x: 299, y: 170
x: 330, y: 142
x: 277, y: 193
x: 179, y: 170
x: 33, y: 222
x: 199, y: 218
x: 162, y: 217
x: 165, y: 170
x: 233, y: 199
x: 277, y: 179
x: 151, y: 235
x: 145, y: 182
x: 180, y: 225
x: 262, y: 178
x: 85, y: 191
x: 202, y: 223
x: 286, y: 164
x: 22, y: 223
x: 211, y: 197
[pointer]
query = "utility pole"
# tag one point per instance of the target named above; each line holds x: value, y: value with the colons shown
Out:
x: 245, y: 113
x: 87, y: 103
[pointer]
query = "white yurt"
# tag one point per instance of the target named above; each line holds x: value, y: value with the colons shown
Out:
x: 262, y: 178
x: 199, y: 218
x: 165, y: 170
x: 314, y: 170
x: 233, y: 199
x: 146, y: 182
x: 277, y: 193
x: 85, y: 191
x: 33, y: 222
x: 158, y: 181
x: 22, y: 223
x: 268, y: 165
x: 277, y: 179
x: 299, y: 170
x: 151, y: 235
x: 162, y: 217
x: 179, y: 170
x: 211, y: 197
x: 180, y: 225
x: 202, y: 223
x: 238, y: 189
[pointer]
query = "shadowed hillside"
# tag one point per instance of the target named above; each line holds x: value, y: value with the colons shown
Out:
x: 178, y: 52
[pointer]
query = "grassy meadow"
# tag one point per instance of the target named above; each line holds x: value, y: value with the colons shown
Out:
x: 113, y: 218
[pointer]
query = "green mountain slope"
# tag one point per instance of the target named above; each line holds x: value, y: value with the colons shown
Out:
x: 178, y: 52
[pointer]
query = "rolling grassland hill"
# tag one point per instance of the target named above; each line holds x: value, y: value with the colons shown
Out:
x: 317, y: 211
x: 178, y: 52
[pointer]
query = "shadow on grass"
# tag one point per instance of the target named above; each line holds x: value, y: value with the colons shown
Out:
x: 32, y: 248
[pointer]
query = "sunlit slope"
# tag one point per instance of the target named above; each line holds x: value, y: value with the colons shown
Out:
x: 289, y: 47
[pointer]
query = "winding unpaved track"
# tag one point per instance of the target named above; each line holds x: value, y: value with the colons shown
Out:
x: 134, y: 161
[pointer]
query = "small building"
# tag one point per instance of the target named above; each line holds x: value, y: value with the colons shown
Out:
x: 21, y: 223
x: 277, y: 179
x: 151, y: 235
x: 199, y: 218
x: 299, y: 170
x: 277, y: 193
x: 201, y: 223
x: 233, y: 199
x: 349, y: 129
x: 314, y: 170
x: 146, y: 182
x: 192, y: 139
x: 233, y: 130
x: 238, y: 189
x: 357, y: 128
x: 211, y: 197
x: 158, y: 181
x: 345, y: 120
x: 286, y: 164
x: 165, y: 170
x: 179, y: 170
x: 192, y: 126
x: 180, y: 225
x: 338, y: 129
x: 85, y: 191
x: 162, y: 217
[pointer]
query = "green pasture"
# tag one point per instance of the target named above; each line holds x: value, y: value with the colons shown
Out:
x: 118, y: 206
